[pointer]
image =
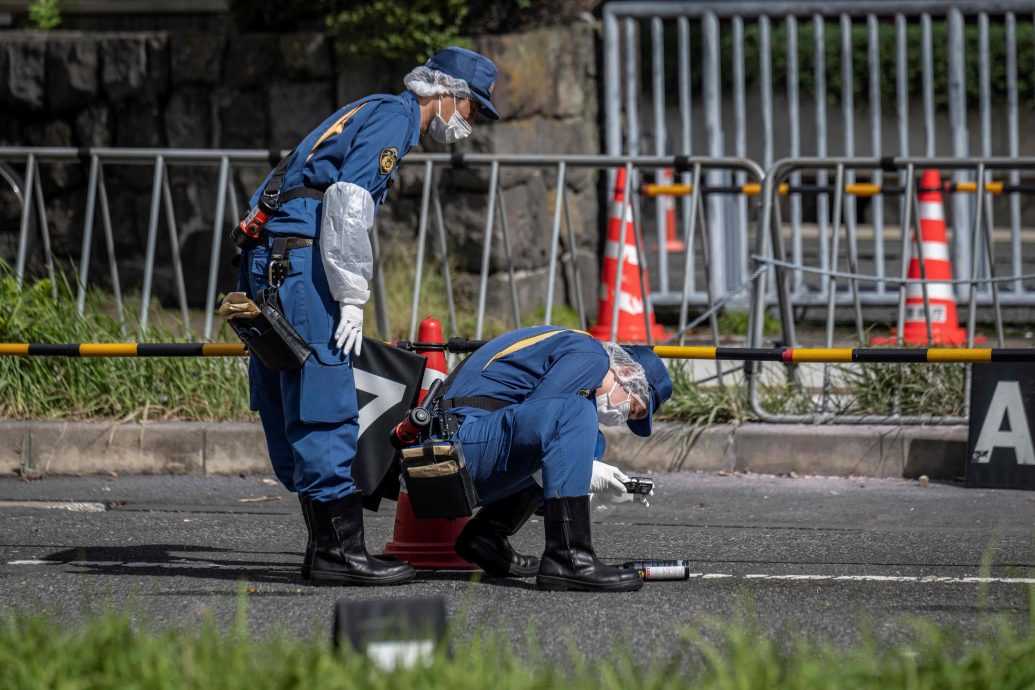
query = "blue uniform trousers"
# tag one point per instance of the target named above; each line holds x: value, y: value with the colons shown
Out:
x: 556, y: 434
x: 310, y: 416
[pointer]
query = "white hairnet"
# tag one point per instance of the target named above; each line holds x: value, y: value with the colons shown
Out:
x: 425, y: 81
x: 628, y: 372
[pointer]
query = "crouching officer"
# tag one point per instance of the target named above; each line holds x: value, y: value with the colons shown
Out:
x: 320, y: 205
x: 531, y: 401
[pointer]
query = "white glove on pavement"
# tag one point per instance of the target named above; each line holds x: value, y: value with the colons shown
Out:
x: 607, y: 483
x: 349, y: 334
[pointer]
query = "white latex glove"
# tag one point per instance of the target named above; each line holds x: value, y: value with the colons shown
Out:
x: 349, y: 334
x: 607, y: 483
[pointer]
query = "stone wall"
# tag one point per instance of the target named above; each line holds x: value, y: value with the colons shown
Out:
x: 226, y: 90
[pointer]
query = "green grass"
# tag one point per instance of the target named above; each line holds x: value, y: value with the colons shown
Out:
x: 704, y: 405
x: 735, y: 322
x: 920, y: 389
x: 399, y: 270
x: 873, y: 389
x: 700, y: 406
x: 116, y: 650
x: 209, y: 389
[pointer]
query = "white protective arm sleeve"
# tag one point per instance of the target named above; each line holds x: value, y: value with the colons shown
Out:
x: 348, y: 215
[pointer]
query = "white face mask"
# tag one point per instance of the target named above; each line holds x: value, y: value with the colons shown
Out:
x: 611, y: 414
x: 449, y: 132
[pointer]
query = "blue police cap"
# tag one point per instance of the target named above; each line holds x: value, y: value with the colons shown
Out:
x: 658, y: 380
x: 478, y: 71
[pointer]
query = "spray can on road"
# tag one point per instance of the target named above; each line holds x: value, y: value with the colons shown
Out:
x: 660, y: 570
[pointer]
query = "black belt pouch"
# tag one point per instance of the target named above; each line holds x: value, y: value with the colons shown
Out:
x: 270, y: 336
x: 438, y: 482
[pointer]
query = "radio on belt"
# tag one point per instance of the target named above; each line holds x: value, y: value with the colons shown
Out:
x: 660, y: 570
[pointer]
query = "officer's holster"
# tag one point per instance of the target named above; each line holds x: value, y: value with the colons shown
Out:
x: 269, y: 335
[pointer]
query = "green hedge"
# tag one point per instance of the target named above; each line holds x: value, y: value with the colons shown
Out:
x: 399, y: 30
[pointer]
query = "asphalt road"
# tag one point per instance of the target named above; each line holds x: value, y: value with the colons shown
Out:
x: 816, y: 556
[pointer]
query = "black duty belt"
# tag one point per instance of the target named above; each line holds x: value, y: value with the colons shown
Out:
x: 481, y: 402
x: 279, y: 265
x: 290, y: 242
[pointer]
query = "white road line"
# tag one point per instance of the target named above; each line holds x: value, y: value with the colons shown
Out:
x: 170, y: 565
x: 921, y: 579
x: 205, y: 565
x: 74, y: 506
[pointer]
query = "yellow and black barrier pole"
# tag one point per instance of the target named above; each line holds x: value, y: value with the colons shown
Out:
x: 884, y: 355
x: 860, y: 189
x: 123, y: 350
x: 786, y: 355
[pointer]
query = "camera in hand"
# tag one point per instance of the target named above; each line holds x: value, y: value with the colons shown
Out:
x: 639, y: 485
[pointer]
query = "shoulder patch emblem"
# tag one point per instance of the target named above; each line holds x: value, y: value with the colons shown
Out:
x: 388, y: 157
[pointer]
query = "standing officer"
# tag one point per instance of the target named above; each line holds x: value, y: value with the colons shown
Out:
x: 317, y: 241
x: 532, y: 400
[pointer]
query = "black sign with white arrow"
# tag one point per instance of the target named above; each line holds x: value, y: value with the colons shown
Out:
x: 387, y: 384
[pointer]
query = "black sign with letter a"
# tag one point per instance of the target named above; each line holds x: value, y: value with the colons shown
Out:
x: 1001, y: 453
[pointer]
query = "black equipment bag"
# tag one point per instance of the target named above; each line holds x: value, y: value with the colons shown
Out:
x: 271, y: 337
x: 437, y: 480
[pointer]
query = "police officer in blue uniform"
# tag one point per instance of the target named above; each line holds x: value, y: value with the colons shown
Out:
x: 332, y: 185
x: 530, y: 401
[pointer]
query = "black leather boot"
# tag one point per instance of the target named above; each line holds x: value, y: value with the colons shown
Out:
x: 341, y: 554
x: 483, y: 541
x: 310, y: 546
x: 569, y: 562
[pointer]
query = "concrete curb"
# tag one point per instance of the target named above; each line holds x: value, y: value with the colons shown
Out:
x: 42, y: 448
x: 867, y: 451
x: 57, y: 448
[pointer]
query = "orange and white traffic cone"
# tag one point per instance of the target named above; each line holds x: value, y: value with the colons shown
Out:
x: 631, y: 326
x: 945, y: 329
x: 668, y: 203
x: 431, y: 332
x: 427, y: 544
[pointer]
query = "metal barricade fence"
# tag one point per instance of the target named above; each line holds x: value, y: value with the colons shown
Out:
x: 30, y: 193
x: 687, y: 29
x: 830, y: 287
x: 695, y: 167
x: 696, y: 232
x: 771, y: 281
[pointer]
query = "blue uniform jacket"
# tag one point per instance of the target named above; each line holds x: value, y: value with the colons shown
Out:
x: 531, y: 364
x: 360, y: 143
x: 540, y: 370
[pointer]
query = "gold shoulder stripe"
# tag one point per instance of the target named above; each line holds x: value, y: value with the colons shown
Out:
x: 528, y: 342
x: 334, y: 130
